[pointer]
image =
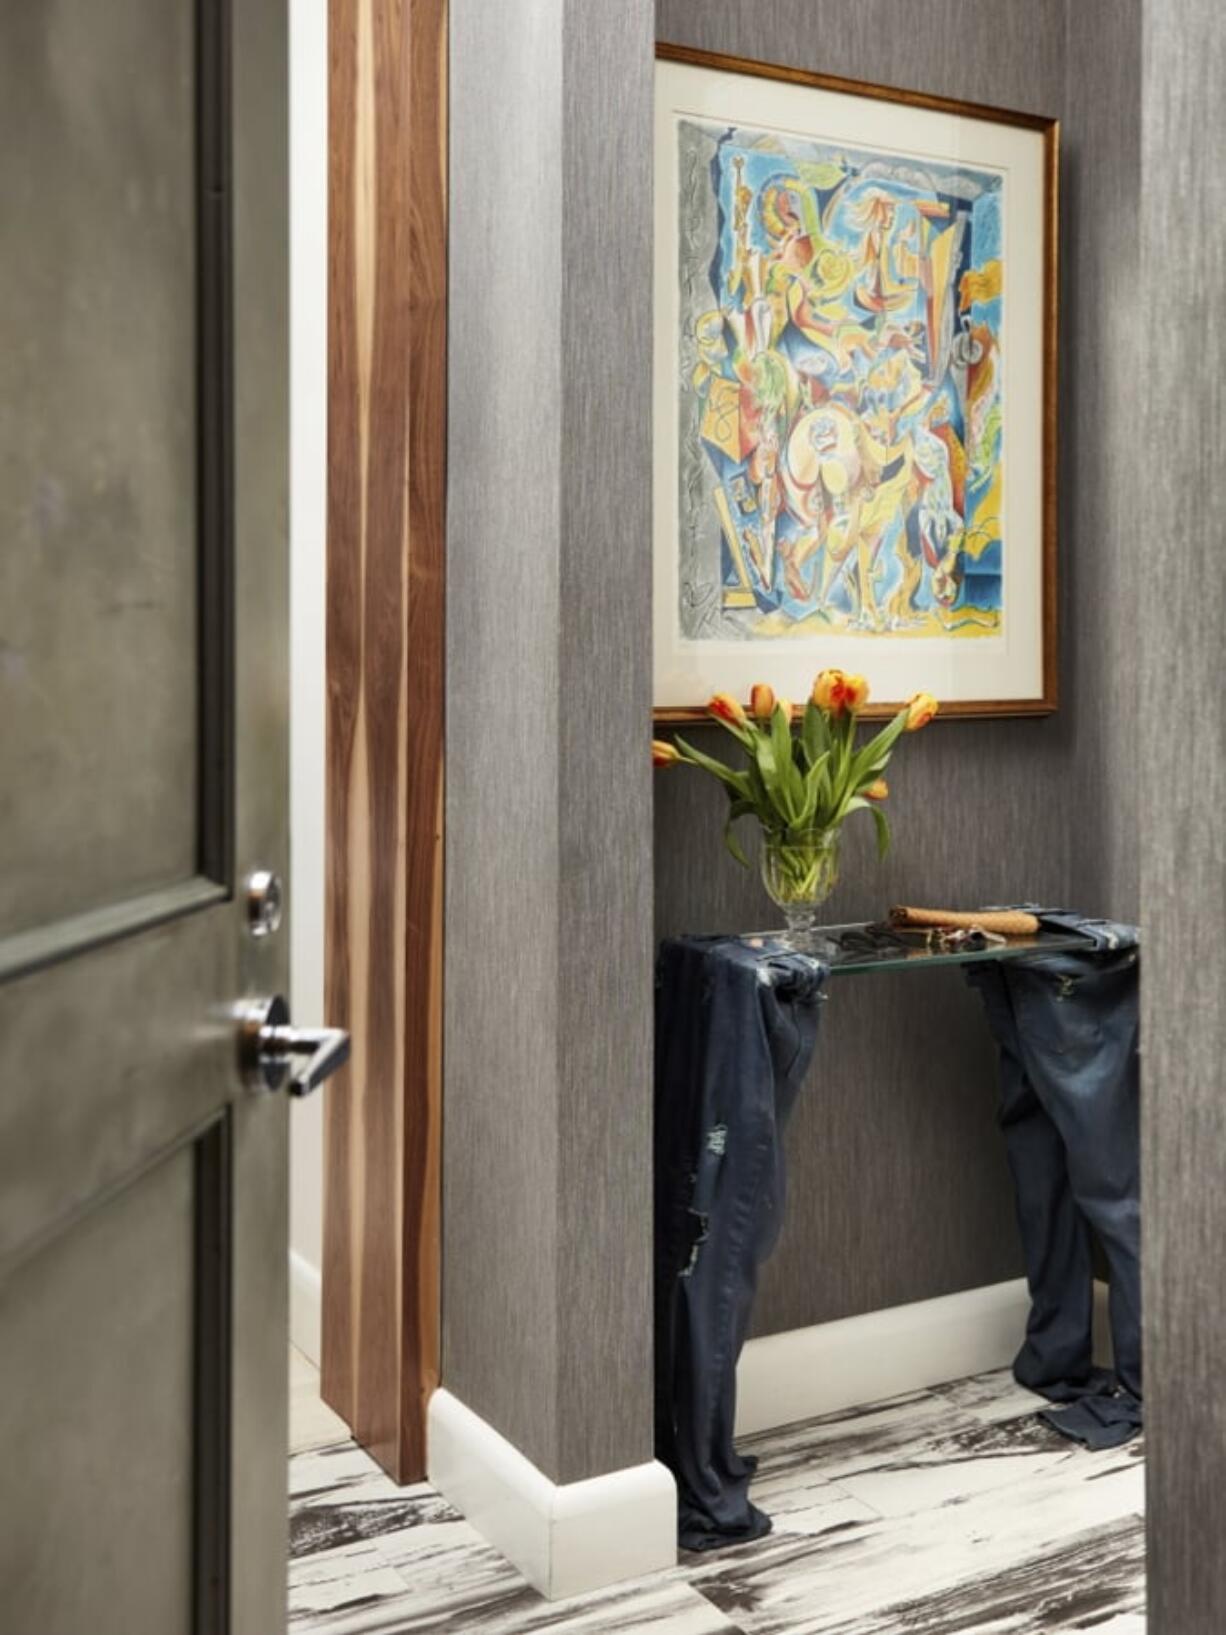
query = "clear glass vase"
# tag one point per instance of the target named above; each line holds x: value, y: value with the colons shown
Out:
x: 799, y: 871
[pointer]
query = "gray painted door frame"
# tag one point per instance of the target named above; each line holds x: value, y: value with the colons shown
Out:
x: 143, y: 1188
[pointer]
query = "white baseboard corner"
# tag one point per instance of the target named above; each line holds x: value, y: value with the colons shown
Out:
x: 565, y: 1539
x: 305, y: 1307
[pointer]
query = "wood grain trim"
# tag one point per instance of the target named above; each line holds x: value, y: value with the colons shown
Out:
x: 386, y: 499
x: 963, y: 710
x: 427, y: 476
x: 1048, y: 701
x: 724, y: 63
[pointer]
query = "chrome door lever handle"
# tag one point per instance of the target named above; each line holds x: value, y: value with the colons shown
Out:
x: 269, y: 1048
x: 325, y: 1049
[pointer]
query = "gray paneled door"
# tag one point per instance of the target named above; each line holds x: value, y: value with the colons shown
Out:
x: 143, y: 676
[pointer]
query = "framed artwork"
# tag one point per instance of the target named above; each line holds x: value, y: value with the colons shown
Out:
x: 855, y: 391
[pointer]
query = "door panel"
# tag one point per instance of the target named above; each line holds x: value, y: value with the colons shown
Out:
x: 143, y: 759
x: 96, y: 1355
x: 98, y: 434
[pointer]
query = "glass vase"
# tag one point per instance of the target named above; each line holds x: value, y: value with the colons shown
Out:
x: 799, y: 871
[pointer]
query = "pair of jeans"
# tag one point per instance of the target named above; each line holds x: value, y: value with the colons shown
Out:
x: 1066, y: 1026
x: 736, y: 1024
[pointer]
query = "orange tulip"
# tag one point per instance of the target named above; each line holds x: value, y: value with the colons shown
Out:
x: 663, y: 754
x: 877, y: 790
x: 856, y: 688
x: 920, y: 710
x: 836, y: 692
x: 828, y: 691
x: 725, y: 708
x: 762, y: 701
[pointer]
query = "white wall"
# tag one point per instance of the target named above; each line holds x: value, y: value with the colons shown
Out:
x: 308, y: 498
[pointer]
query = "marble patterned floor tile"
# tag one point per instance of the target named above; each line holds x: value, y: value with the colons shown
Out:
x: 957, y: 1467
x: 991, y: 1397
x: 339, y: 1497
x: 343, y: 1471
x: 839, y: 1445
x: 334, y: 1470
x: 1074, y: 1587
x: 814, y: 1506
x: 1128, y: 1623
x: 349, y: 1591
x: 664, y: 1604
x: 945, y: 1512
x: 312, y: 1424
x: 368, y: 1556
x: 849, y: 1582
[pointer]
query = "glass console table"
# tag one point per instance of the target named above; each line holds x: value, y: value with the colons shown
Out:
x: 848, y: 949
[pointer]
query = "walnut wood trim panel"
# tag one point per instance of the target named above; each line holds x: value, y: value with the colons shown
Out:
x: 387, y: 268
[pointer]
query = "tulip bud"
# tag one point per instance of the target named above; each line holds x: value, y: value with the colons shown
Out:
x: 725, y: 708
x: 920, y: 710
x: 663, y: 754
x: 784, y: 705
x: 762, y: 702
x: 877, y: 790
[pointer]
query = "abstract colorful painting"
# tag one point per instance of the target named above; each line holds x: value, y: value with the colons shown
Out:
x: 841, y: 356
x: 841, y: 373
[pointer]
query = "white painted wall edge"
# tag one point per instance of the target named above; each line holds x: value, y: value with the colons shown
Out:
x: 308, y: 501
x: 305, y: 1306
x: 805, y: 1372
x: 565, y: 1539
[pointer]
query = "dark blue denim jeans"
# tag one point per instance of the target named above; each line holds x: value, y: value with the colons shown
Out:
x: 1066, y: 1026
x: 735, y: 1030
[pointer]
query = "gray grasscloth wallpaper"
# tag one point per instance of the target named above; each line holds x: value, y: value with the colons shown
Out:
x: 1181, y: 424
x: 547, y: 1138
x: 898, y: 1187
x: 899, y: 1190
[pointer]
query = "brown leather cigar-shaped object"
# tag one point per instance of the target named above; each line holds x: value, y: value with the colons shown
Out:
x: 1005, y: 922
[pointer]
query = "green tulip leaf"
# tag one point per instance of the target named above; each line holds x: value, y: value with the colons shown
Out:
x: 883, y: 830
x: 815, y: 733
x: 737, y: 809
x: 737, y: 781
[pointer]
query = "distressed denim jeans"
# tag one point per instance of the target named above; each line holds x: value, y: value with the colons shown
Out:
x: 1066, y: 1026
x: 735, y: 1031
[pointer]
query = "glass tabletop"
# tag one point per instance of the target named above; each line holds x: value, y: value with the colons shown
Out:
x: 860, y: 947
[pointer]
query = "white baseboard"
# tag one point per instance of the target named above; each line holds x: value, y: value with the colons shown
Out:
x: 564, y: 1539
x: 804, y: 1372
x: 305, y: 1306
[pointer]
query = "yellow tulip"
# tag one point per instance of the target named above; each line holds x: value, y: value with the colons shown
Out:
x: 663, y: 754
x: 725, y: 708
x: 762, y: 701
x: 877, y: 790
x: 828, y: 691
x: 856, y: 691
x: 920, y: 710
x: 835, y: 692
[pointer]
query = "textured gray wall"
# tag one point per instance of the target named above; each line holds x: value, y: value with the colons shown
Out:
x: 546, y: 1205
x: 1182, y: 426
x: 899, y: 1189
x: 1101, y: 557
